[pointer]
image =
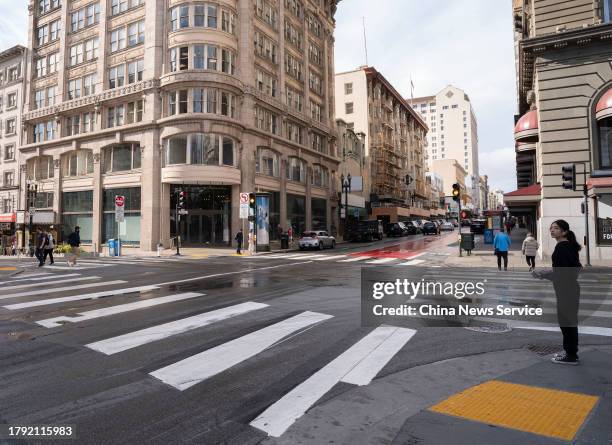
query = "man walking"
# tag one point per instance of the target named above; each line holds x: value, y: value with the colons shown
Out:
x: 49, y: 248
x: 501, y: 243
x: 41, y: 244
x: 239, y: 238
x: 74, y: 240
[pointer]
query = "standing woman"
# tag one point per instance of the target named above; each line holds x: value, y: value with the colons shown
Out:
x: 564, y: 276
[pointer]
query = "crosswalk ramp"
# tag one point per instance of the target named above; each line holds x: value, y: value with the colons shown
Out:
x: 265, y: 331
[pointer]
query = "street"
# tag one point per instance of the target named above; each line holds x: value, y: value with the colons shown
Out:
x: 257, y: 349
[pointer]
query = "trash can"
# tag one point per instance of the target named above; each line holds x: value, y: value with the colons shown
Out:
x: 284, y: 239
x: 467, y: 241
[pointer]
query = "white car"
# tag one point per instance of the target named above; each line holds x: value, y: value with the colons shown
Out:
x: 447, y: 225
x: 316, y: 239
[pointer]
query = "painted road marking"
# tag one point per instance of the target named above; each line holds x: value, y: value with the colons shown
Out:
x: 357, y: 258
x: 550, y: 327
x: 23, y: 286
x: 113, y: 310
x: 93, y: 296
x: 382, y: 261
x: 108, y: 262
x: 411, y: 263
x: 59, y: 289
x: 74, y: 267
x: 560, y: 414
x: 133, y: 339
x: 38, y: 277
x: 281, y: 415
x: 8, y: 268
x: 327, y: 258
x: 31, y: 275
x: 367, y: 369
x: 197, y: 368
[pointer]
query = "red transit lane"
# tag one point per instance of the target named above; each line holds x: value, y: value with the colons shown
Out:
x: 408, y: 248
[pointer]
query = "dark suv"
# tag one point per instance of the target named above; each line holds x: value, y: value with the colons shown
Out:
x: 430, y: 228
x: 396, y: 229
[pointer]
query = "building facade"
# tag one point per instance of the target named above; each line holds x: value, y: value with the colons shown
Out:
x: 564, y: 117
x: 453, y: 133
x: 146, y: 99
x: 395, y: 141
x: 437, y: 201
x: 12, y: 68
x: 452, y: 172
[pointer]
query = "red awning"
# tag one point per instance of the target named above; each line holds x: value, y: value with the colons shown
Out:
x: 531, y: 190
x: 526, y: 129
x: 604, y: 106
x: 8, y: 217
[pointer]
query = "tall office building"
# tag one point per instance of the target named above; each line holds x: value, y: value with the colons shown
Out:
x: 453, y: 133
x: 144, y: 99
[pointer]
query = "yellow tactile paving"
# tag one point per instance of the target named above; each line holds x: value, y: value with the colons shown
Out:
x: 8, y: 268
x: 532, y: 409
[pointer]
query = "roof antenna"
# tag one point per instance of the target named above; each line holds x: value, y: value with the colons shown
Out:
x: 365, y: 42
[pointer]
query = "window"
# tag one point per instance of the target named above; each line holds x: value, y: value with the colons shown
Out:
x: 604, y: 129
x: 320, y: 176
x: 51, y: 93
x: 74, y: 88
x: 121, y: 157
x: 9, y: 152
x: 212, y: 16
x: 348, y: 108
x: 115, y: 116
x: 314, y: 25
x: 45, y: 6
x: 129, y: 229
x: 10, y: 127
x: 266, y: 83
x: 42, y: 35
x: 293, y: 35
x: 41, y: 67
x: 455, y: 106
x: 40, y: 168
x: 265, y: 47
x: 12, y: 101
x: 296, y: 170
x: 200, y: 149
x: 267, y: 12
x: 135, y: 71
x: 91, y: 49
x: 53, y: 60
x: 315, y: 54
x: 55, y: 28
x: 117, y: 39
x: 135, y: 111
x: 318, y: 143
x: 118, y: 6
x: 77, y: 163
x: 348, y: 88
x: 293, y: 132
x: 211, y: 62
x: 228, y: 60
x: 267, y: 162
x: 228, y: 104
x: 86, y: 16
x: 607, y: 11
x: 77, y: 210
x: 316, y: 111
x: 315, y: 82
x: 266, y: 120
x: 116, y: 76
x: 76, y: 54
x: 9, y: 179
x: 293, y: 67
x: 294, y: 98
x: 135, y: 33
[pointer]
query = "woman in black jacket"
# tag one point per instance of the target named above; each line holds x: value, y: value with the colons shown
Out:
x: 564, y: 276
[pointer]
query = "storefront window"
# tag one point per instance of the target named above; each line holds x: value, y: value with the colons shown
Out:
x: 77, y: 163
x: 77, y: 210
x: 267, y: 162
x: 129, y: 230
x: 605, y: 143
x: 319, y: 214
x: 121, y: 157
x: 204, y: 149
x: 274, y: 215
x: 296, y: 214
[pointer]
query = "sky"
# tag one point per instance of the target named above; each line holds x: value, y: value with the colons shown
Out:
x: 467, y: 43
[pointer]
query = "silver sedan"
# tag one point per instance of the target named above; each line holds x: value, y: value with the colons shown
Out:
x: 316, y: 239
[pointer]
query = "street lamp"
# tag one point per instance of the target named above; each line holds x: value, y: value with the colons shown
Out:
x: 346, y: 188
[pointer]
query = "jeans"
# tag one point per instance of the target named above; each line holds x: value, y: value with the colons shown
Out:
x: 570, y: 340
x: 238, y: 247
x: 502, y: 254
x: 48, y: 253
x: 40, y: 256
x: 530, y: 261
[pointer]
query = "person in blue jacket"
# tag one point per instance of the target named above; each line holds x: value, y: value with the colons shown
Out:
x: 501, y: 243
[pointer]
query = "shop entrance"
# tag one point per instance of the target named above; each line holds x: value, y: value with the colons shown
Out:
x: 208, y: 219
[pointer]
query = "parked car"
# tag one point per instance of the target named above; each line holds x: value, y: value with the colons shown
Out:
x: 316, y: 239
x: 477, y: 226
x: 367, y: 230
x: 431, y: 228
x: 416, y: 225
x: 455, y: 222
x: 411, y: 229
x: 466, y: 222
x: 447, y: 225
x: 396, y: 229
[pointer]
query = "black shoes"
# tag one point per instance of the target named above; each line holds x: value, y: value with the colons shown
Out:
x: 564, y: 359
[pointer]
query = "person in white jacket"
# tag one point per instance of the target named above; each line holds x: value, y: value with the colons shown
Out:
x: 530, y: 250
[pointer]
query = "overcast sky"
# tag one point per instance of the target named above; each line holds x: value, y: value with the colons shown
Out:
x: 468, y: 44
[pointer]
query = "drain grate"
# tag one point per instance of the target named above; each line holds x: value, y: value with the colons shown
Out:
x: 544, y: 349
x: 495, y: 329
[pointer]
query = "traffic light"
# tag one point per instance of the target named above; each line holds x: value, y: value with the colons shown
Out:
x: 182, y: 195
x: 252, y: 200
x: 456, y: 192
x: 569, y: 176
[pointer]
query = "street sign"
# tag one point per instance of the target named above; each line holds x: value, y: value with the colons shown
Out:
x: 244, y: 205
x: 119, y: 208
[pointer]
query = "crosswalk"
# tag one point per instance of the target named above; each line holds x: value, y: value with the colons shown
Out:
x: 408, y: 259
x: 269, y: 328
x: 99, y: 262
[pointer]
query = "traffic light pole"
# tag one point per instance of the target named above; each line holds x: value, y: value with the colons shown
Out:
x: 569, y: 183
x: 177, y: 223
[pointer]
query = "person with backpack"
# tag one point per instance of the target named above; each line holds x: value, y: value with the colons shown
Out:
x: 74, y: 240
x: 501, y: 243
x: 564, y: 276
x: 530, y: 250
x: 49, y: 248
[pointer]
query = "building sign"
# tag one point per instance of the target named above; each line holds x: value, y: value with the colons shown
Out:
x: 43, y: 217
x: 7, y: 217
x: 604, y: 220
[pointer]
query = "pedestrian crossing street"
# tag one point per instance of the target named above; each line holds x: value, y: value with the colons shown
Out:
x: 358, y: 364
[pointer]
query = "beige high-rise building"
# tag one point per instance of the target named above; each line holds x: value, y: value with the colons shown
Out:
x: 395, y: 139
x: 453, y: 134
x: 12, y: 69
x: 144, y: 99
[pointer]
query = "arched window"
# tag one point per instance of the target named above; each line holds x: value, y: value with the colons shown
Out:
x: 77, y: 163
x: 603, y: 114
x: 121, y: 157
x: 267, y: 163
x: 40, y: 168
x: 200, y: 149
x: 296, y: 170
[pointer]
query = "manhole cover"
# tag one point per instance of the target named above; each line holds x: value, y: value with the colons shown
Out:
x: 543, y: 349
x: 500, y: 329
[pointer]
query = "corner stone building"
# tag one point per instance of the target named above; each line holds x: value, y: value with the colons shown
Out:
x: 145, y: 98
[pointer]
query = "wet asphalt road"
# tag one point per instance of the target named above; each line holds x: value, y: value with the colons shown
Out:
x: 48, y: 376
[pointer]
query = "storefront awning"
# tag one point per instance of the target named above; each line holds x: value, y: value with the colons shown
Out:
x: 603, y: 109
x: 531, y: 193
x: 526, y: 129
x: 8, y: 217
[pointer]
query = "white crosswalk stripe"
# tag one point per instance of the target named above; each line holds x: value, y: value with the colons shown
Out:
x: 329, y: 258
x: 382, y: 261
x: 91, y: 296
x: 195, y: 369
x: 59, y: 289
x: 281, y: 415
x: 42, y: 276
x: 411, y: 263
x: 113, y: 310
x: 24, y: 286
x: 155, y: 333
